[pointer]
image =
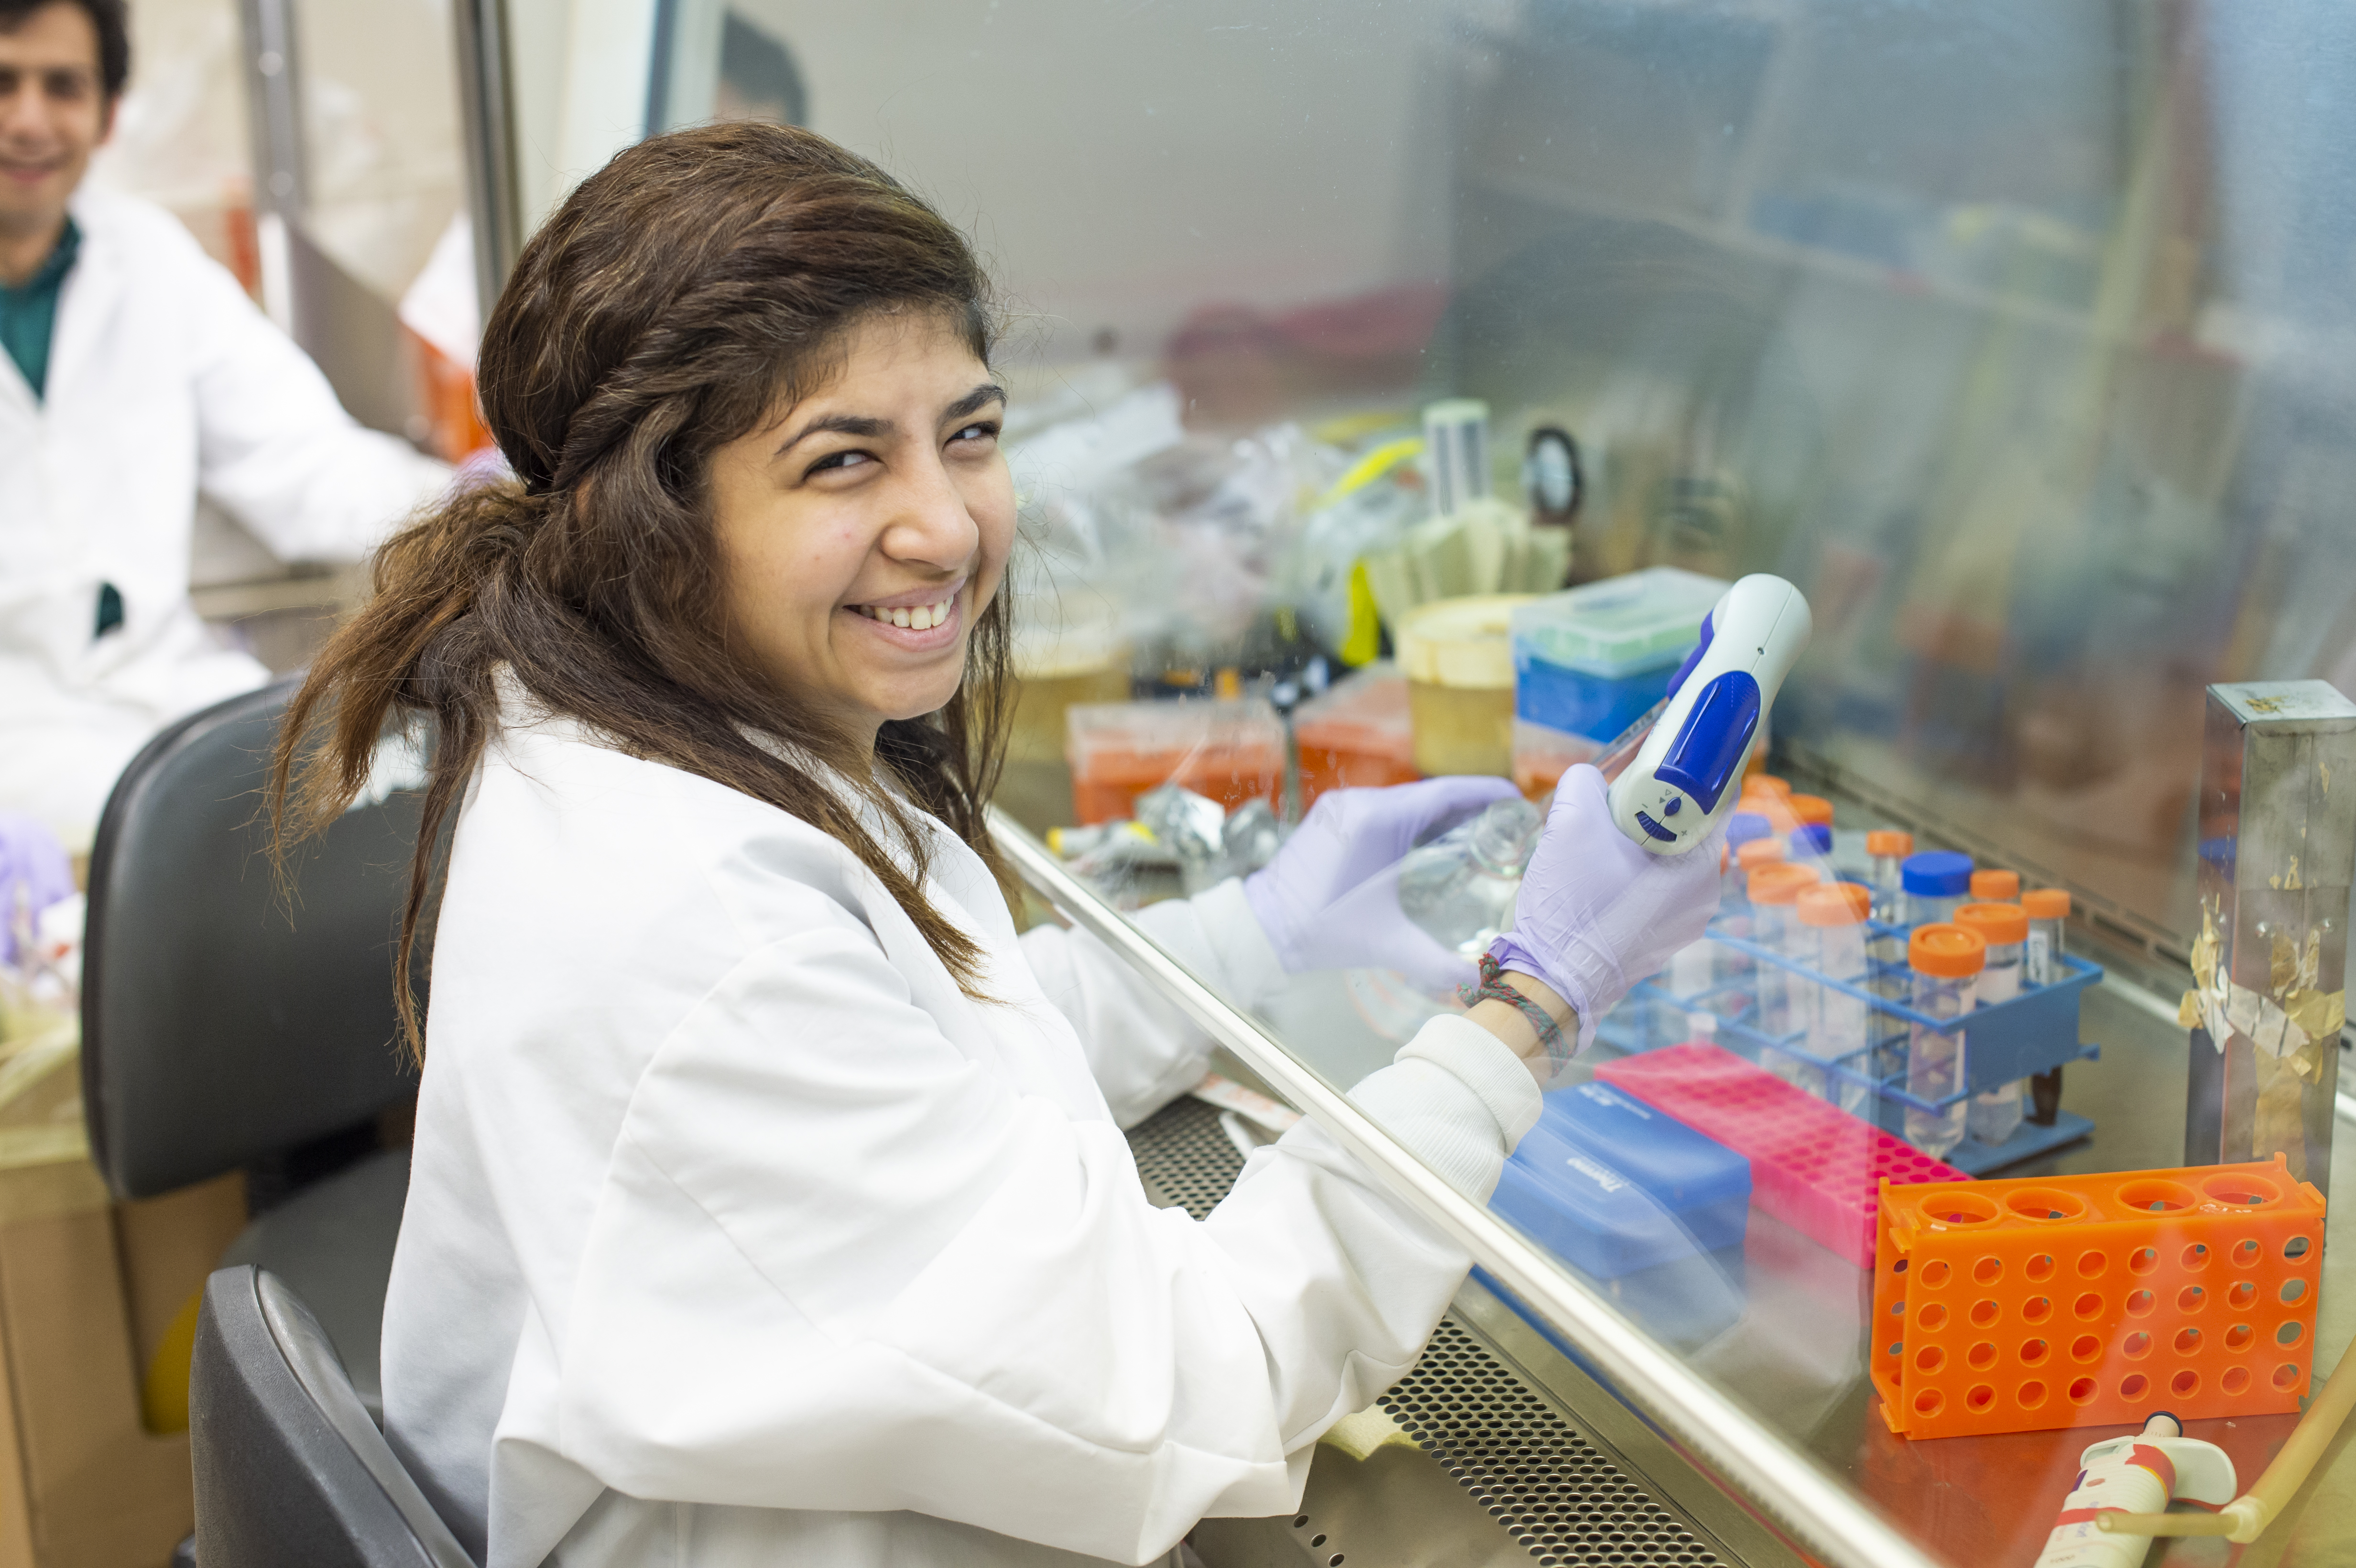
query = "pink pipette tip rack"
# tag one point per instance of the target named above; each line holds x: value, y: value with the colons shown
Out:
x: 1812, y: 1165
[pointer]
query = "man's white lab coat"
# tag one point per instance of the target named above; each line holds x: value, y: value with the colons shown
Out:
x: 163, y: 379
x: 737, y: 1235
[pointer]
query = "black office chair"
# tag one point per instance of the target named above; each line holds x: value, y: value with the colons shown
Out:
x: 290, y: 1471
x: 223, y: 1025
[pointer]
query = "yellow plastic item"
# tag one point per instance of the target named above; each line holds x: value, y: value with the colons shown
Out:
x: 163, y: 1392
x: 1371, y: 467
x: 1363, y: 642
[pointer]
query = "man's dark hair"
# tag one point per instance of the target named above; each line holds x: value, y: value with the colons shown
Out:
x: 110, y: 17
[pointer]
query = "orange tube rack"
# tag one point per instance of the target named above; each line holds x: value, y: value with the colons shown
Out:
x: 2094, y: 1300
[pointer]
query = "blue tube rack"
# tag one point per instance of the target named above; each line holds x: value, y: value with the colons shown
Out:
x: 2035, y: 1033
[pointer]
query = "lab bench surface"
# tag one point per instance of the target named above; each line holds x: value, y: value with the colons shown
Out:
x: 1797, y: 1353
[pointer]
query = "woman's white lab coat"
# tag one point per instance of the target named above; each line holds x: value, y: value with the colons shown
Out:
x: 163, y: 379
x: 737, y: 1235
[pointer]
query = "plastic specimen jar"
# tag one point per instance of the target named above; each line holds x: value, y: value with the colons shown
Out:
x: 1812, y: 841
x: 1995, y: 887
x: 1458, y: 658
x: 1541, y: 756
x: 1773, y: 890
x: 1946, y: 961
x: 1812, y: 809
x: 1831, y: 927
x: 1068, y: 648
x: 1885, y: 850
x: 1996, y: 1113
x: 1761, y: 853
x: 1355, y: 734
x: 2047, y: 908
x: 1231, y: 751
x: 1936, y: 882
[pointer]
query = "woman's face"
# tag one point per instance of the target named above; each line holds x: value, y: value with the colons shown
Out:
x: 863, y: 530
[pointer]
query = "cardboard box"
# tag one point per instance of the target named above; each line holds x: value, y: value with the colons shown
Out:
x: 89, y: 1290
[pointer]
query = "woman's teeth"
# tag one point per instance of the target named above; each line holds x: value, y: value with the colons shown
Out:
x: 922, y: 618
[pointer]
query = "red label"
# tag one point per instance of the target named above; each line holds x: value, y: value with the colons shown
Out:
x: 2158, y: 1463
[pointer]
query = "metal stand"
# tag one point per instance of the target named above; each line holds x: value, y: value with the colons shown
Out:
x: 2278, y: 844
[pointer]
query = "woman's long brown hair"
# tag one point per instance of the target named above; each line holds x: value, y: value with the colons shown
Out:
x: 662, y: 311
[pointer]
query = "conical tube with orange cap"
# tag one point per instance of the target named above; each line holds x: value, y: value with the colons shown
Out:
x: 1996, y: 1113
x: 1946, y: 961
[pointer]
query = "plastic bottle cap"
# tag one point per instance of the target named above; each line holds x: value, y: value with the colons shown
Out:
x: 1773, y: 810
x: 1950, y: 952
x: 1759, y: 852
x: 1744, y: 825
x: 1812, y: 808
x: 1997, y: 923
x: 1835, y: 903
x: 1938, y: 874
x: 1812, y: 838
x: 1996, y: 886
x: 2046, y: 904
x: 1889, y: 842
x: 1766, y: 783
x: 1782, y: 884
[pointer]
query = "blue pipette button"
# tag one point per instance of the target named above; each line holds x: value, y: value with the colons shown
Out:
x: 1656, y: 829
x: 1677, y: 803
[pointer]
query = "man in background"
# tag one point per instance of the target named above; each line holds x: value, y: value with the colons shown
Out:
x: 135, y: 374
x: 758, y: 77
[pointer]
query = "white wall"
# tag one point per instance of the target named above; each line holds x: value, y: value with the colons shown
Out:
x: 1122, y: 161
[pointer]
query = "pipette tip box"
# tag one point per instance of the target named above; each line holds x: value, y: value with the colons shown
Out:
x: 1614, y: 1185
x: 1812, y: 1166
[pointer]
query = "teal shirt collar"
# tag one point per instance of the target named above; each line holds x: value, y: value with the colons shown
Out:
x: 29, y: 313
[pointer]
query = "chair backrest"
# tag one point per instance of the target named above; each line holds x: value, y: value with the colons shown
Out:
x: 223, y: 1021
x: 290, y: 1471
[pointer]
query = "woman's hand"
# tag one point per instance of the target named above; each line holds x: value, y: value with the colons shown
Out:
x: 1351, y: 836
x: 1597, y: 914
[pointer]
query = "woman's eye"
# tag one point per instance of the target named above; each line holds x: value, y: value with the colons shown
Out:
x: 839, y: 460
x: 985, y: 430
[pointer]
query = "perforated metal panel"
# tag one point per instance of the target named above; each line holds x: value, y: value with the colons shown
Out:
x: 1564, y: 1500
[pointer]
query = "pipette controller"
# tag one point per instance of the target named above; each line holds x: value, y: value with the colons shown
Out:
x: 2135, y: 1475
x: 1683, y: 782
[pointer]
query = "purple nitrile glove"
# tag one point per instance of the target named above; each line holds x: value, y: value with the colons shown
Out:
x: 32, y: 860
x: 1597, y: 914
x: 1325, y: 901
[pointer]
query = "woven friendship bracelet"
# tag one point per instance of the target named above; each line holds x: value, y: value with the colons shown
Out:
x: 1494, y: 988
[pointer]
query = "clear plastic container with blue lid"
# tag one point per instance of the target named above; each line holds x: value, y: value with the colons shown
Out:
x: 1589, y: 661
x: 1614, y: 1186
x: 1937, y: 883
